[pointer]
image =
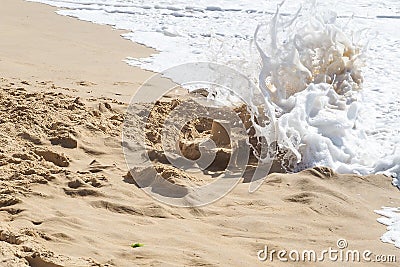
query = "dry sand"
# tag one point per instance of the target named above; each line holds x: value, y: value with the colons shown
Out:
x: 66, y: 198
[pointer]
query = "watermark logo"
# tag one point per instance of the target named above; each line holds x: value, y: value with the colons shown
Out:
x: 228, y: 141
x: 342, y: 243
x: 340, y: 253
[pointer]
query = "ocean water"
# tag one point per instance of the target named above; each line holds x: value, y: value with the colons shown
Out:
x: 332, y: 71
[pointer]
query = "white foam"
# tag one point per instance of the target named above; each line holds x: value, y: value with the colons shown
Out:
x: 391, y: 218
x: 312, y: 71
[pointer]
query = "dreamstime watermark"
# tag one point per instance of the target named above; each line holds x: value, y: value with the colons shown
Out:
x: 166, y: 146
x: 340, y: 253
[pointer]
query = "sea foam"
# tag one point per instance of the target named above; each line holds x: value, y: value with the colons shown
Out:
x: 311, y: 71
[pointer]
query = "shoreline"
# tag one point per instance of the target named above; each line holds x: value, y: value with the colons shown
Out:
x: 31, y: 49
x: 66, y: 198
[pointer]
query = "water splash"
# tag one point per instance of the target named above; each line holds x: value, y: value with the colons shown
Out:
x: 309, y: 47
x: 311, y: 73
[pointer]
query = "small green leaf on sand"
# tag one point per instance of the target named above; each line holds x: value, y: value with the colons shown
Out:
x: 137, y: 245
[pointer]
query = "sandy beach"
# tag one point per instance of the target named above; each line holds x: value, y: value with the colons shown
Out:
x: 66, y: 196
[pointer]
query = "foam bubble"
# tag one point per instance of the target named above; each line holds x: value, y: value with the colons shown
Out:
x: 391, y: 218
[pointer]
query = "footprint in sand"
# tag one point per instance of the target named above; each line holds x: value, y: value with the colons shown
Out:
x: 85, y: 83
x: 59, y: 160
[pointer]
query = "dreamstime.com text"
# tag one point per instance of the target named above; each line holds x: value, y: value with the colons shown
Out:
x: 340, y: 253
